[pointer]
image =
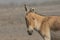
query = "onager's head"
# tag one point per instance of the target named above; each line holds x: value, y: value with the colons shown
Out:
x: 32, y: 21
x: 29, y: 20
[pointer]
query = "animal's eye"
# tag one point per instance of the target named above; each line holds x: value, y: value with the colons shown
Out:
x: 33, y: 18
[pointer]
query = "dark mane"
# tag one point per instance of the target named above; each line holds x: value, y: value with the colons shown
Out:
x: 39, y: 14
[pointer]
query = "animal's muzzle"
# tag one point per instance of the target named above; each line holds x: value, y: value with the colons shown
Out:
x: 30, y: 32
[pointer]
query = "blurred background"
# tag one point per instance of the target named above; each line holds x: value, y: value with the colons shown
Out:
x: 12, y: 18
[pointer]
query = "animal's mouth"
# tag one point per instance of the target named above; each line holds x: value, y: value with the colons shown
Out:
x: 30, y: 32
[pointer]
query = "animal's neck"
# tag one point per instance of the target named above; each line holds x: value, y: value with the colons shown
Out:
x: 38, y: 21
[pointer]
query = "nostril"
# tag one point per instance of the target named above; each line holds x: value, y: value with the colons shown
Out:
x: 27, y: 31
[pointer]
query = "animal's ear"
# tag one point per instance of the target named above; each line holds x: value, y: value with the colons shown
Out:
x: 26, y: 9
x: 32, y: 9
